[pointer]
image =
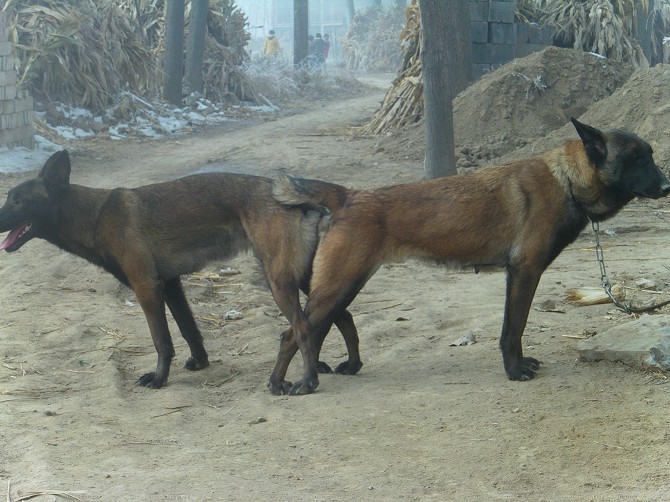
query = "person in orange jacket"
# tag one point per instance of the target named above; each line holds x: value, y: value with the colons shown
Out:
x: 271, y: 47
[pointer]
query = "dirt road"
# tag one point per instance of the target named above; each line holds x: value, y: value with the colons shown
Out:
x: 422, y: 421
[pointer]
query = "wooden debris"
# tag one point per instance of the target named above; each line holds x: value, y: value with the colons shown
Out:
x: 593, y: 296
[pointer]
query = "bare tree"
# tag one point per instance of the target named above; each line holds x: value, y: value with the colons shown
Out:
x: 300, y: 30
x: 174, y: 51
x: 445, y: 56
x: 195, y: 52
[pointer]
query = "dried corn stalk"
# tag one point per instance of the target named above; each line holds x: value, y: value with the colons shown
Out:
x: 225, y: 55
x: 85, y: 52
x: 371, y: 43
x: 607, y: 27
x: 79, y: 53
x: 403, y: 103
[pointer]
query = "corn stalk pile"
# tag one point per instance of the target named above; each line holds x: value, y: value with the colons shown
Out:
x: 79, y: 52
x: 606, y: 27
x: 86, y: 52
x: 225, y: 54
x: 371, y: 43
x: 403, y: 103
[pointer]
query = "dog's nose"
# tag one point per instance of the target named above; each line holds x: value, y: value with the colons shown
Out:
x: 665, y: 189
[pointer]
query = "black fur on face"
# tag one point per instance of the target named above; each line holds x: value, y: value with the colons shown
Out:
x: 31, y: 206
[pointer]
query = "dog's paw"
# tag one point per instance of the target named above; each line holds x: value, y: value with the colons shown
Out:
x: 531, y: 363
x: 194, y: 365
x: 322, y: 367
x: 348, y: 368
x: 282, y: 388
x: 526, y: 369
x: 151, y: 381
x: 307, y: 386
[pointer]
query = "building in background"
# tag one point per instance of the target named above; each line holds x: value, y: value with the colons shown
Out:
x: 325, y: 16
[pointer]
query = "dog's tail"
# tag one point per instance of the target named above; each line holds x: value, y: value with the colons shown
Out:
x: 313, y: 194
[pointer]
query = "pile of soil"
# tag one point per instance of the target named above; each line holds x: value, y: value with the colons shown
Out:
x: 520, y: 102
x: 641, y: 105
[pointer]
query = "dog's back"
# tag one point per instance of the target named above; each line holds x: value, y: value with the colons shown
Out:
x: 520, y: 216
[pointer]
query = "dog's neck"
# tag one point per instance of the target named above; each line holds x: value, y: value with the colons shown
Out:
x: 582, y: 182
x: 76, y: 221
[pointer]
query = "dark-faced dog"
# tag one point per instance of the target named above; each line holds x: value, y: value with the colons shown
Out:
x: 148, y: 237
x: 518, y: 216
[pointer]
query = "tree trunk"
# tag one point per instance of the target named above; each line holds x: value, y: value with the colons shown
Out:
x: 445, y: 57
x: 351, y: 9
x: 174, y: 51
x: 300, y: 31
x: 195, y: 52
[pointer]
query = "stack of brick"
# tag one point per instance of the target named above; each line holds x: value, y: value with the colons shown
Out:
x: 497, y: 39
x: 531, y: 37
x: 16, y: 106
x: 493, y: 34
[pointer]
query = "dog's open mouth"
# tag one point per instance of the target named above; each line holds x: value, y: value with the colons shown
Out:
x: 14, y: 240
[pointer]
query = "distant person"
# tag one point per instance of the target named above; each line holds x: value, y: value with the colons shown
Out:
x: 316, y: 54
x: 326, y: 46
x: 271, y: 47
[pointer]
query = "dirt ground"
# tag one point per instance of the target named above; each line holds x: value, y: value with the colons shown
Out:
x: 423, y: 420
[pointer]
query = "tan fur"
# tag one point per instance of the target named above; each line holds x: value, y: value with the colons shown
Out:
x: 518, y: 216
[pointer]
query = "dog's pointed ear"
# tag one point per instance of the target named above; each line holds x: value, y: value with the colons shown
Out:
x: 56, y: 170
x: 593, y: 140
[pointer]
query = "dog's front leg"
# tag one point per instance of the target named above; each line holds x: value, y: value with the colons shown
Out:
x: 178, y: 304
x: 152, y: 302
x: 521, y: 284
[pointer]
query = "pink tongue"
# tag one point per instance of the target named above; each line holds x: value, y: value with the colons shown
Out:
x: 13, y: 235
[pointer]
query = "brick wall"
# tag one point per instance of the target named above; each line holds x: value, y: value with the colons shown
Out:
x: 16, y: 106
x: 497, y: 39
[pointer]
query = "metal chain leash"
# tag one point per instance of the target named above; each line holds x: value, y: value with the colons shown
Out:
x: 607, y: 285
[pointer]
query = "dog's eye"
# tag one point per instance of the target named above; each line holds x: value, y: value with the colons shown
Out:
x: 17, y: 201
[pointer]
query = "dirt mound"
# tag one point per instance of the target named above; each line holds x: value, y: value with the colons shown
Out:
x: 520, y: 102
x: 528, y: 98
x: 641, y: 105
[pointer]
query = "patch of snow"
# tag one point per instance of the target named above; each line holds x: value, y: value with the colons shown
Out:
x: 132, y: 116
x: 21, y: 159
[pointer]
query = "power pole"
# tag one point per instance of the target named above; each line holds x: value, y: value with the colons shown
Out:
x: 195, y: 49
x: 174, y: 51
x: 300, y: 30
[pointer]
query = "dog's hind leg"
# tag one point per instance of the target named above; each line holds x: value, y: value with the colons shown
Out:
x: 345, y: 323
x: 285, y: 293
x: 181, y: 311
x: 522, y: 282
x: 287, y: 349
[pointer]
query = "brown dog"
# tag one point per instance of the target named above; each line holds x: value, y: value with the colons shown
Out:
x: 518, y: 216
x: 148, y: 237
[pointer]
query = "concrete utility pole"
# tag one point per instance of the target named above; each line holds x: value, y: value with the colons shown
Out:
x: 174, y: 51
x: 300, y: 30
